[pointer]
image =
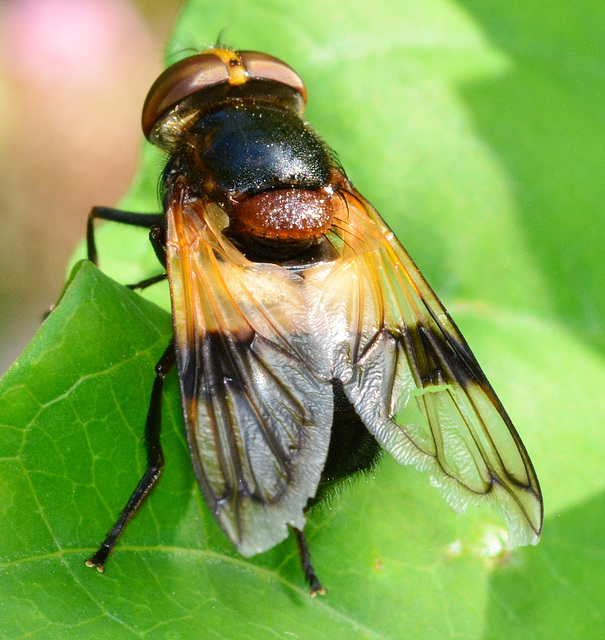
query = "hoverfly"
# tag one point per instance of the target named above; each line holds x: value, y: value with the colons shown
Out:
x: 301, y: 326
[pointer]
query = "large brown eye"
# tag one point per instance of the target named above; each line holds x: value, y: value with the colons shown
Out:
x: 180, y: 81
x: 264, y: 67
x: 211, y: 68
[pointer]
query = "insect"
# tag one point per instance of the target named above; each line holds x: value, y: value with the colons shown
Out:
x: 301, y: 326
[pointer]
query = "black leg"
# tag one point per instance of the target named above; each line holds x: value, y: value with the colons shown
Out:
x: 116, y: 215
x: 155, y: 462
x: 157, y: 237
x: 307, y: 565
x: 143, y: 284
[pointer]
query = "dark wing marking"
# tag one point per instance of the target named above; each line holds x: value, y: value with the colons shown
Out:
x: 394, y: 341
x: 257, y: 418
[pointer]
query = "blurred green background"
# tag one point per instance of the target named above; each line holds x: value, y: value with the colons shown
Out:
x: 73, y: 77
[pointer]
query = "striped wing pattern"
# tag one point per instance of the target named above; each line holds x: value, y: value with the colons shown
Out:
x: 257, y: 346
x: 257, y: 417
x: 402, y: 351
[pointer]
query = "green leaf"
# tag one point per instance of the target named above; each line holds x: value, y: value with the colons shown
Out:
x: 477, y: 130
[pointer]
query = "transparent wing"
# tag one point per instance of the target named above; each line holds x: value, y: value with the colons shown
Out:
x: 414, y: 380
x: 257, y: 418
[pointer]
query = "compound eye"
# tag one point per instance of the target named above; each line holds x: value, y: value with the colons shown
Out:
x: 208, y: 69
x: 180, y: 81
x: 261, y: 66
